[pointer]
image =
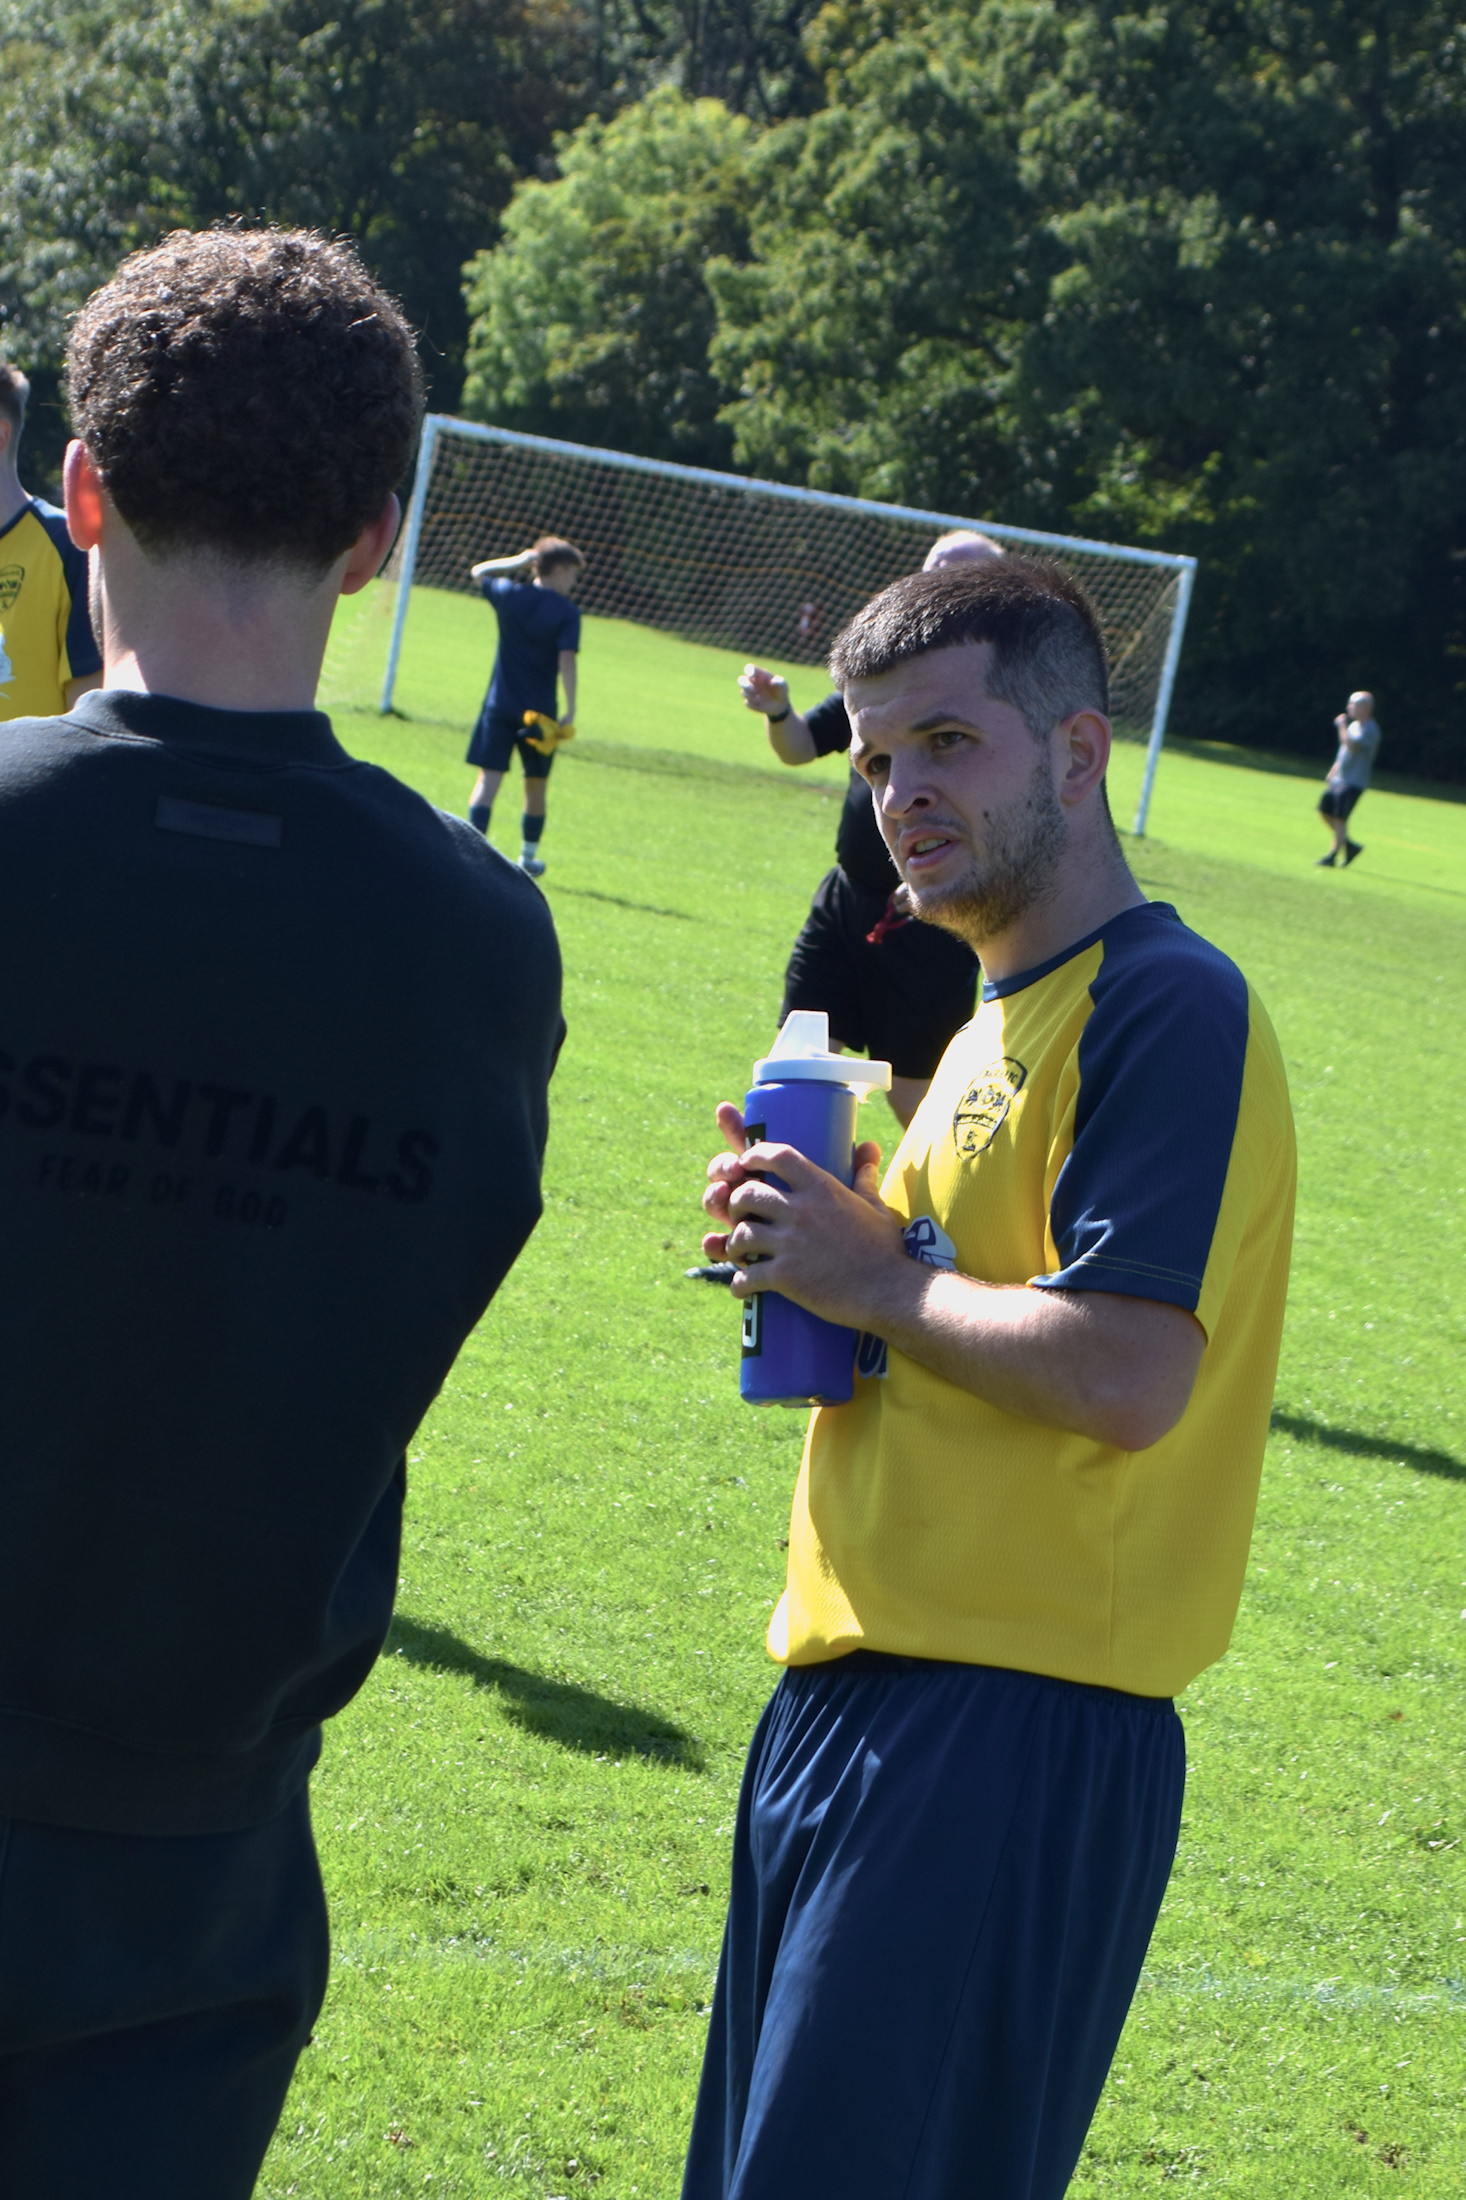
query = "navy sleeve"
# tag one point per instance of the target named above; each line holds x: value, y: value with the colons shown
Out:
x: 1161, y: 1058
x: 829, y: 726
x: 570, y: 627
x: 82, y: 653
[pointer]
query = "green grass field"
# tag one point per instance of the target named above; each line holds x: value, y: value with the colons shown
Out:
x: 525, y: 1816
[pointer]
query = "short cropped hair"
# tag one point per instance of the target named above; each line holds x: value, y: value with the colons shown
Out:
x: 247, y: 391
x: 1048, y: 653
x: 15, y: 394
x: 553, y: 550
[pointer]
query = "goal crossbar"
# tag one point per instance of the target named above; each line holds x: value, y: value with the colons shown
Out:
x: 1082, y: 550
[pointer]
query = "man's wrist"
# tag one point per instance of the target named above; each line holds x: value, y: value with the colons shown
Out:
x: 777, y: 717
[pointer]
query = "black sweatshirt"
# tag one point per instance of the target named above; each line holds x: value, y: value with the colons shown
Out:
x: 275, y: 1038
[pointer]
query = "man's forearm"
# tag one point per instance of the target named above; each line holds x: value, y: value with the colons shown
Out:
x: 520, y: 559
x: 1115, y: 1369
x: 790, y: 739
x: 567, y: 682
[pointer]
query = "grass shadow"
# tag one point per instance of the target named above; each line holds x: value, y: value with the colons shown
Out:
x: 1370, y: 1447
x: 557, y: 1711
x: 618, y: 901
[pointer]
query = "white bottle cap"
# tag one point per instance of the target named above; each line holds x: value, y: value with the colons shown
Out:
x: 801, y: 1053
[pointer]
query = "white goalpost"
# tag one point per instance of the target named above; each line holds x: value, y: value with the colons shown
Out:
x: 754, y: 566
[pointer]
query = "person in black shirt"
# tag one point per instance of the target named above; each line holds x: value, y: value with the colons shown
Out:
x: 245, y: 1216
x: 892, y: 988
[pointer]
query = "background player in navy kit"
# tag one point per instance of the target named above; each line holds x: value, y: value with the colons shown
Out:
x: 539, y: 635
x: 48, y: 656
x: 892, y: 988
x: 242, y: 1126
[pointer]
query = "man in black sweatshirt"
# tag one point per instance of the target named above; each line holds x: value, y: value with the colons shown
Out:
x: 275, y: 1040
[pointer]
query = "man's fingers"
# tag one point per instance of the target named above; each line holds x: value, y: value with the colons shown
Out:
x: 768, y: 1159
x: 730, y: 1123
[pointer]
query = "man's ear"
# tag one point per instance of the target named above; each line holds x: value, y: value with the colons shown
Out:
x: 82, y: 494
x: 1084, y: 754
x: 369, y: 552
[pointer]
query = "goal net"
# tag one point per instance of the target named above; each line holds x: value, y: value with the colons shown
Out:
x: 753, y: 566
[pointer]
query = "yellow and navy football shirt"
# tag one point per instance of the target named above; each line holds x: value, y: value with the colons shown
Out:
x: 45, y: 631
x: 1115, y: 1120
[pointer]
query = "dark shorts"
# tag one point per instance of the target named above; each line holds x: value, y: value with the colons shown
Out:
x: 944, y: 1882
x: 155, y: 1994
x: 497, y: 734
x: 1338, y: 801
x: 900, y: 1001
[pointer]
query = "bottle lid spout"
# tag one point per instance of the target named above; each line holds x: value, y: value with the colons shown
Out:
x: 803, y: 1031
x: 801, y: 1053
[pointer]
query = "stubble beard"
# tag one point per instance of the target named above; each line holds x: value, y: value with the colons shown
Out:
x: 1014, y: 871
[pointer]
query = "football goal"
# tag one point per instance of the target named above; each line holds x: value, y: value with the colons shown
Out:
x: 754, y: 566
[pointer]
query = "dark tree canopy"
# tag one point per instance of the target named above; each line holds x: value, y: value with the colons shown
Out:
x: 592, y: 318
x: 1193, y: 277
x: 402, y: 123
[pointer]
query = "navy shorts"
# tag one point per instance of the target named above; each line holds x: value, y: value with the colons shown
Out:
x: 1338, y: 801
x: 901, y: 1000
x: 944, y: 1883
x: 155, y: 1993
x: 496, y: 735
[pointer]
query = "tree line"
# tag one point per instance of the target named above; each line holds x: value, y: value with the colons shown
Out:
x: 1192, y: 276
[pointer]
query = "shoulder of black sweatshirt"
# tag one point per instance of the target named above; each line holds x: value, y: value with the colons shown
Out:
x: 275, y: 1043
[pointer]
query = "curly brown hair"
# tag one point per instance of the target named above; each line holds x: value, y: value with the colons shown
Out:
x: 248, y: 391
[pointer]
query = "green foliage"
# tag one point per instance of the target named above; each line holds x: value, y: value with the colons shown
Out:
x: 592, y: 319
x: 748, y: 53
x: 400, y: 122
x: 1195, y: 275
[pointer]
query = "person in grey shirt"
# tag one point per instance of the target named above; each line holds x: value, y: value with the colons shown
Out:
x: 1348, y: 777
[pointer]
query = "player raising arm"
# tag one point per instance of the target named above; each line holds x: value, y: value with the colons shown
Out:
x: 1027, y: 1531
x: 539, y: 636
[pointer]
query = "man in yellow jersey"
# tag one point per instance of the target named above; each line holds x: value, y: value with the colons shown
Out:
x: 48, y: 656
x: 1027, y: 1531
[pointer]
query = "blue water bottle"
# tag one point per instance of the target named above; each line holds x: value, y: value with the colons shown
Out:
x: 803, y: 1096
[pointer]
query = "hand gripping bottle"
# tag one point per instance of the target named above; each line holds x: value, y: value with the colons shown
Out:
x: 806, y: 1097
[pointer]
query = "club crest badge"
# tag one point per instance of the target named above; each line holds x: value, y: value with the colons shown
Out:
x: 982, y: 1108
x: 11, y: 577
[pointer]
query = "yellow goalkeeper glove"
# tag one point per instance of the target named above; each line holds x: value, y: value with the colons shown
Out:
x: 552, y: 731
